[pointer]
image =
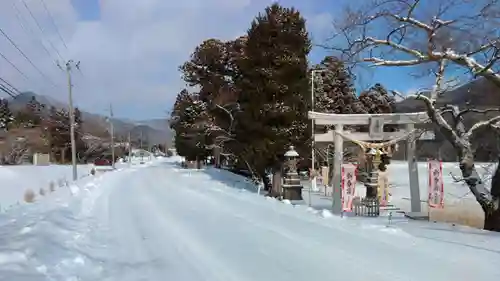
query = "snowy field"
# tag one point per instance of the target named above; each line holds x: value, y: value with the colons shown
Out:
x: 460, y: 205
x: 15, y: 180
x: 160, y: 222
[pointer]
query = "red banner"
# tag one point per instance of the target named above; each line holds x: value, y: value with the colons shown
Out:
x: 348, y: 186
x: 436, y: 185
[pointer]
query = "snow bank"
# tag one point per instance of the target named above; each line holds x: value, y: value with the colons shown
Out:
x: 460, y: 205
x: 15, y: 180
x: 42, y: 241
x: 231, y: 179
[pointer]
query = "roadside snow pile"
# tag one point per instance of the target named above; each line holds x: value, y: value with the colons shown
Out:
x: 49, y: 239
x: 231, y: 179
x: 326, y: 213
x: 16, y: 180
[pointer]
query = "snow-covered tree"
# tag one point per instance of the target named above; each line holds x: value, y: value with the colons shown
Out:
x: 189, y: 120
x: 273, y: 88
x: 377, y: 100
x: 333, y: 89
x: 6, y: 116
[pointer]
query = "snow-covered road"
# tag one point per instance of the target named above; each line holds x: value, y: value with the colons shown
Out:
x: 164, y: 223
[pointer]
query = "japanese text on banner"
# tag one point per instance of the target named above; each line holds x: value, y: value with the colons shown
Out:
x: 348, y: 186
x: 436, y: 186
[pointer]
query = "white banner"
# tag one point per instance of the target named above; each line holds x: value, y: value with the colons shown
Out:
x: 314, y: 185
x: 436, y: 186
x: 383, y: 188
x: 348, y: 186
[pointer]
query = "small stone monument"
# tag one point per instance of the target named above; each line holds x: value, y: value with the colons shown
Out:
x: 292, y: 189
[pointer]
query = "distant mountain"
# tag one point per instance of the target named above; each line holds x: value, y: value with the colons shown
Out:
x: 151, y: 135
x: 156, y: 130
x: 158, y: 124
x: 478, y: 94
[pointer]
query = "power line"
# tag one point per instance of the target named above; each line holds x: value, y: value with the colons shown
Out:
x: 26, y: 57
x: 10, y: 85
x: 7, y: 91
x: 41, y: 29
x: 54, y: 23
x: 14, y: 66
x: 28, y: 29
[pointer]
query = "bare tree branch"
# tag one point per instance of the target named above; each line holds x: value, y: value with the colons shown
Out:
x: 468, y: 41
x: 481, y: 125
x: 463, y: 146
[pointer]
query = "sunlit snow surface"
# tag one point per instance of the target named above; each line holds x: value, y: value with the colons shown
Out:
x: 456, y: 192
x: 160, y: 222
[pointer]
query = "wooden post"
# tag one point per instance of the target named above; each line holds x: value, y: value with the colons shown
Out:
x: 337, y: 171
x: 413, y: 171
x: 276, y: 184
x: 63, y: 155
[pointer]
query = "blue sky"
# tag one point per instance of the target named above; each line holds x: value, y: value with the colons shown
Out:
x: 88, y: 10
x: 130, y: 50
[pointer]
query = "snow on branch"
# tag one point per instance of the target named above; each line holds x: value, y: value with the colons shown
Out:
x: 464, y: 147
x: 468, y: 41
x: 491, y: 123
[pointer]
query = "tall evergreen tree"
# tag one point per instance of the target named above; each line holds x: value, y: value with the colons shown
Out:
x: 377, y: 100
x: 189, y: 121
x: 208, y: 68
x: 59, y: 133
x: 273, y: 86
x: 31, y: 115
x: 333, y: 90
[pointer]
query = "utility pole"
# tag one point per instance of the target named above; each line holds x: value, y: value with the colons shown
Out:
x: 68, y: 69
x: 140, y: 140
x: 112, y: 135
x: 313, y: 151
x: 129, y: 149
x: 141, y: 147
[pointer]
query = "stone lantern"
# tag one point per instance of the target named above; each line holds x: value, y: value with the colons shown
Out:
x: 377, y: 176
x: 292, y: 189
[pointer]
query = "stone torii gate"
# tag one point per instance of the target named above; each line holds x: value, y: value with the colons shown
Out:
x: 376, y: 124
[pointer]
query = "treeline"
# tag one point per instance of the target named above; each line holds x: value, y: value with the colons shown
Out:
x: 53, y: 124
x: 253, y: 94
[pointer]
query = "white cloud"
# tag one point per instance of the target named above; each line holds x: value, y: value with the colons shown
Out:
x: 131, y: 55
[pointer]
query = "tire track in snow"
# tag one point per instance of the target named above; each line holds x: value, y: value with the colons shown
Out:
x: 302, y: 254
x: 425, y: 254
x: 198, y: 259
x: 304, y: 244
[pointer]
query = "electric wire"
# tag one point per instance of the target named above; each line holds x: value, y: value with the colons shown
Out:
x: 26, y: 57
x: 10, y: 85
x: 28, y: 29
x: 14, y: 66
x: 7, y: 91
x: 41, y: 29
x: 53, y: 23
